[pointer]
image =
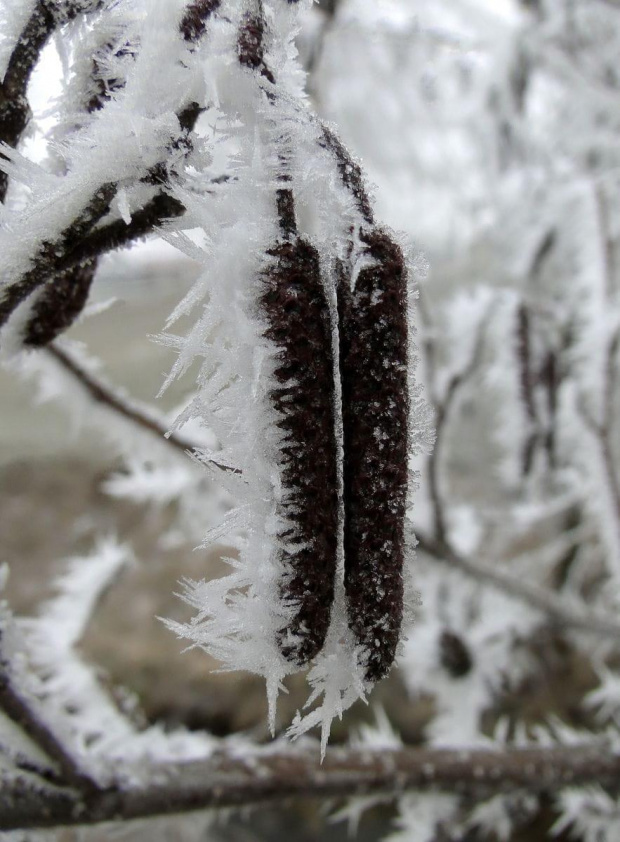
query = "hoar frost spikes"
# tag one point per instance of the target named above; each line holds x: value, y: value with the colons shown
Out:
x: 303, y: 380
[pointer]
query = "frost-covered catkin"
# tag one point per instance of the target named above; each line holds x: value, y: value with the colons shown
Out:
x: 294, y: 304
x: 373, y: 367
x: 374, y: 362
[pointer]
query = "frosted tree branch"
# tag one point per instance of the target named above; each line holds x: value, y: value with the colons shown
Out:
x: 102, y: 393
x: 226, y: 780
x: 14, y: 109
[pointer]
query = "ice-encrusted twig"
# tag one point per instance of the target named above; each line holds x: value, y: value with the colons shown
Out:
x: 444, y: 407
x: 57, y: 243
x: 45, y: 17
x: 67, y: 693
x: 146, y: 419
x: 19, y: 708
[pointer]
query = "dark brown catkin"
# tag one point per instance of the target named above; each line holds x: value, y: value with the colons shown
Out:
x: 294, y: 305
x: 375, y: 409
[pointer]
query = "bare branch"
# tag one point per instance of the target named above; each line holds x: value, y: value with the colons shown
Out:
x: 101, y: 393
x: 268, y: 775
x: 443, y: 410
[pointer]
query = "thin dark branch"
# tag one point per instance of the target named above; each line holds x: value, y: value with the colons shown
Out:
x: 50, y: 257
x: 81, y: 242
x: 229, y: 781
x: 604, y: 430
x: 443, y: 411
x: 102, y: 393
x: 46, y: 16
x: 555, y: 607
x: 80, y: 249
x: 118, y: 234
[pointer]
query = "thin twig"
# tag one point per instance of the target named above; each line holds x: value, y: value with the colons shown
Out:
x: 443, y: 410
x: 102, y: 393
x: 268, y: 775
x: 118, y: 234
x: 603, y: 431
x: 555, y: 607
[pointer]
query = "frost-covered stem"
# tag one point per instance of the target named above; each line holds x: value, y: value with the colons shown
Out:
x: 443, y: 410
x: 117, y: 234
x: 607, y: 428
x: 80, y: 249
x: 229, y: 781
x: 524, y: 356
x: 49, y: 260
x: 46, y: 16
x: 19, y: 709
x: 557, y: 608
x: 81, y: 242
x: 14, y: 108
x: 103, y: 394
x: 607, y: 243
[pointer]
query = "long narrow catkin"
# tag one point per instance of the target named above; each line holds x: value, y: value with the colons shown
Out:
x: 374, y: 364
x: 294, y: 304
x: 375, y: 411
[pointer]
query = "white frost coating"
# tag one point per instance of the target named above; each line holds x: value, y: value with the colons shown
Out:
x: 589, y: 814
x: 64, y: 619
x: 336, y: 678
x: 120, y: 143
x: 68, y: 692
x: 449, y: 603
x: 420, y: 815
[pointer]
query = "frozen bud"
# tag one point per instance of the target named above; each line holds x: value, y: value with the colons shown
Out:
x: 454, y: 654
